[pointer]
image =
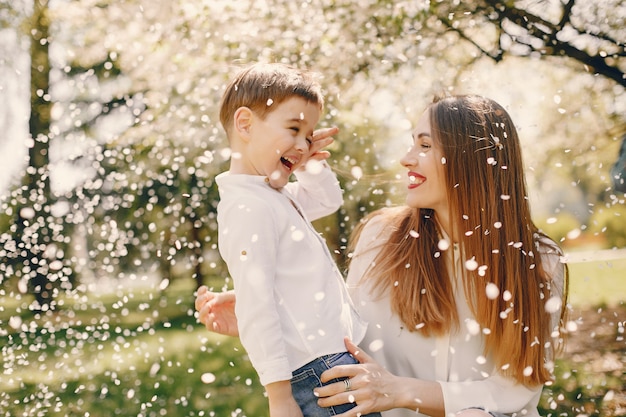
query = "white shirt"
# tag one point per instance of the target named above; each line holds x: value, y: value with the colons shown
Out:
x: 292, y: 302
x: 455, y: 360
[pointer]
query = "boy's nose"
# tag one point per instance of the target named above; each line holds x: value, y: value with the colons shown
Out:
x: 302, y: 145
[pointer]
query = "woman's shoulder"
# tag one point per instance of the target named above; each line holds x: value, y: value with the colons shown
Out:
x: 546, y: 246
x: 383, y: 217
x: 376, y: 227
x: 386, y: 215
x: 552, y: 258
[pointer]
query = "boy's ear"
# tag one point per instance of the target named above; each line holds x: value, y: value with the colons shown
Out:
x: 242, y: 121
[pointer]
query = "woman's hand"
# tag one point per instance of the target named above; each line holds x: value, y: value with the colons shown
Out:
x: 216, y: 310
x: 372, y: 387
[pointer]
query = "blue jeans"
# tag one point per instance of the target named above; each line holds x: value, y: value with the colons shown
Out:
x: 308, y: 377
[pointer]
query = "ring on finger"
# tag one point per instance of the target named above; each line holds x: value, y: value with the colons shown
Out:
x: 348, y: 384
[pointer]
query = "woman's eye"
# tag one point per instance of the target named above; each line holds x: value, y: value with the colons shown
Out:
x: 309, y: 141
x: 295, y: 129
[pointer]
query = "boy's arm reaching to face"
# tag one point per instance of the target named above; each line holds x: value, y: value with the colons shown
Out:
x: 317, y: 189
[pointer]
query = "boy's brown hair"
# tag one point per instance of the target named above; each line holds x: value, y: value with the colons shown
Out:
x: 261, y: 87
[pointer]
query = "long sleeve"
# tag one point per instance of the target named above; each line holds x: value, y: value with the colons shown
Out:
x: 249, y: 248
x: 317, y: 191
x: 496, y: 393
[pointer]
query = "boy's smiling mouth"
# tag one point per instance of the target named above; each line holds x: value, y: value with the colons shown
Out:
x: 288, y: 162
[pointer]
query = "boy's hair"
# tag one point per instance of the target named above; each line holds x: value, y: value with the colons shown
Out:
x: 261, y: 87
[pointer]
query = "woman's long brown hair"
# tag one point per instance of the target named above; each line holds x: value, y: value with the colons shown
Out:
x: 487, y: 194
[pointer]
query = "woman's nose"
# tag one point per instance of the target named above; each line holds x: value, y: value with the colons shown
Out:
x: 408, y: 159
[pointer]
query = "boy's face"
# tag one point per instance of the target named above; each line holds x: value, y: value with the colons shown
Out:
x: 280, y: 143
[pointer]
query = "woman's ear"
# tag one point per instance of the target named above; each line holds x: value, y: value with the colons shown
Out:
x: 242, y: 121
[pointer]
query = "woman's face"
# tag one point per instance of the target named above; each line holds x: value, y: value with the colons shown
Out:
x: 426, y: 186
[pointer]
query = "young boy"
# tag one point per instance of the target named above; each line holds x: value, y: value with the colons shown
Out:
x: 293, y: 310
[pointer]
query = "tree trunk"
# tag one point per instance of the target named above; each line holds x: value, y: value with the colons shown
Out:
x: 34, y: 216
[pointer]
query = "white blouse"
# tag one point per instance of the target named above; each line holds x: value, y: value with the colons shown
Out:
x: 455, y: 360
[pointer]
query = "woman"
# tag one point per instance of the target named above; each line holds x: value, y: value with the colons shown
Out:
x: 464, y: 296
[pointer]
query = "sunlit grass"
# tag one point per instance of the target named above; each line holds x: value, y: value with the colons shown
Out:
x: 598, y: 283
x: 145, y: 356
x: 590, y: 378
x: 591, y: 382
x: 140, y: 352
x: 172, y: 385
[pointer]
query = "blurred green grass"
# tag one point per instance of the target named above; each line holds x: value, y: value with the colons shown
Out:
x: 132, y: 353
x: 591, y: 374
x: 140, y: 352
x: 598, y: 283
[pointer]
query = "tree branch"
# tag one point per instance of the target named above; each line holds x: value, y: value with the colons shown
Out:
x: 552, y: 46
x: 497, y: 57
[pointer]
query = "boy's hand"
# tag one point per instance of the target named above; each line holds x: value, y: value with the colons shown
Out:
x: 321, y: 139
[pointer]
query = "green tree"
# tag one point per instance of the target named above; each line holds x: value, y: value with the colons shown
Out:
x: 147, y: 199
x: 39, y: 220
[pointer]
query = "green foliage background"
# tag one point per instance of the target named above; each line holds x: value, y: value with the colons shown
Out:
x: 142, y: 353
x: 121, y: 145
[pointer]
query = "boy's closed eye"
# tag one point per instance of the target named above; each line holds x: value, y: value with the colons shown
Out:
x: 309, y: 139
